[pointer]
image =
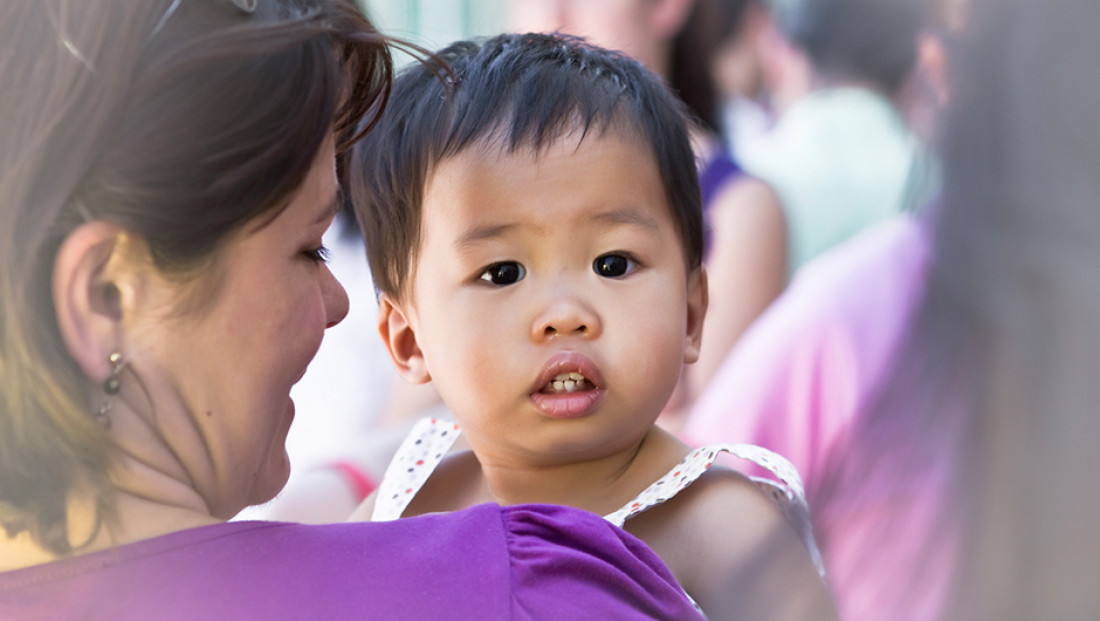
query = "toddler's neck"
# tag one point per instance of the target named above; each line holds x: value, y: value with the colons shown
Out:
x: 601, y: 485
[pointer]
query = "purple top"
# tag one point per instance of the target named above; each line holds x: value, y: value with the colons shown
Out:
x: 713, y: 176
x: 486, y: 562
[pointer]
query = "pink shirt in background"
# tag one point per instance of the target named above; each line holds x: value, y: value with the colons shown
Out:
x: 800, y: 381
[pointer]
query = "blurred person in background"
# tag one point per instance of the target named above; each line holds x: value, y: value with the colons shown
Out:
x: 927, y: 92
x: 841, y: 156
x: 746, y: 255
x: 934, y: 379
x: 738, y: 73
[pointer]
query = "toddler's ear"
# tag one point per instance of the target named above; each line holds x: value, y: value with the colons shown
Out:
x: 697, y: 300
x: 400, y: 339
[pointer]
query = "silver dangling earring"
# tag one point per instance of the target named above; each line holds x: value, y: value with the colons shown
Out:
x: 110, y: 388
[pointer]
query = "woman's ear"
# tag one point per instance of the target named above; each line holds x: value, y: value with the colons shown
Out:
x: 87, y: 301
x: 400, y: 338
x: 697, y: 300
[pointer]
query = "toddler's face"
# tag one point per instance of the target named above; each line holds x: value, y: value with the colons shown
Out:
x: 550, y: 299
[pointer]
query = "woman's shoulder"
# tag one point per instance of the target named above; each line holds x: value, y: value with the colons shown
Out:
x: 527, y: 558
x: 575, y: 559
x: 272, y: 570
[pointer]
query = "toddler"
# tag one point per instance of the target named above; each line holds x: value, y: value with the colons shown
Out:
x: 532, y: 218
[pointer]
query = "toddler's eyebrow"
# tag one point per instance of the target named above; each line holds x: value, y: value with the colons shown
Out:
x: 627, y: 216
x: 475, y: 234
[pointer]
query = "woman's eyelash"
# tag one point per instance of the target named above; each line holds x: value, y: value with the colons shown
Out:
x: 319, y: 254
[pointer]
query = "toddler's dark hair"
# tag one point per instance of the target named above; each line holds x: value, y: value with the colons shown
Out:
x: 513, y: 91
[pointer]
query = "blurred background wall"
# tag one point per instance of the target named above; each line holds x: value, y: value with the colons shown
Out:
x: 435, y: 23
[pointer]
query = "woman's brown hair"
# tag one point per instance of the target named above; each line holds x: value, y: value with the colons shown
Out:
x: 178, y: 120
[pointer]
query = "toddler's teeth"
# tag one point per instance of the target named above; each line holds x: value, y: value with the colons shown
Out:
x: 567, y: 382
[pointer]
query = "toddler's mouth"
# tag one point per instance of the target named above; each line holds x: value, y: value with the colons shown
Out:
x: 567, y: 382
x: 570, y: 386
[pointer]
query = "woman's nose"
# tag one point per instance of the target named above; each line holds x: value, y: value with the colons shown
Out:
x: 335, y: 299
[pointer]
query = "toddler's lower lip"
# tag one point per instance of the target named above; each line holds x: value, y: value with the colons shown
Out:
x: 568, y: 404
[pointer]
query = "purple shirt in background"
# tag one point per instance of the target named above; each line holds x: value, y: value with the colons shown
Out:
x: 486, y: 562
x: 716, y: 172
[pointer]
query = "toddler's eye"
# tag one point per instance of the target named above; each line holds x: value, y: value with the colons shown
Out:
x: 503, y: 273
x: 613, y: 265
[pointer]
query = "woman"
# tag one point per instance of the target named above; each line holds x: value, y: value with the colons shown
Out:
x: 746, y: 256
x: 168, y: 169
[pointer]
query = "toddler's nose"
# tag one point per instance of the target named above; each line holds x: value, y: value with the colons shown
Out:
x: 566, y: 316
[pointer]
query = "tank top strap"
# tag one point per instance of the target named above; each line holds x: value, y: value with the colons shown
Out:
x: 785, y: 489
x: 418, y: 456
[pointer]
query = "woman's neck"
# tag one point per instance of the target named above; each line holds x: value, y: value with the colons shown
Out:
x: 141, y: 517
x: 160, y: 480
